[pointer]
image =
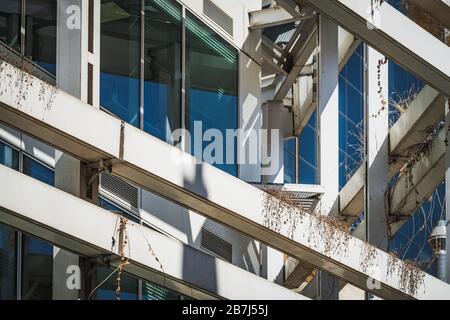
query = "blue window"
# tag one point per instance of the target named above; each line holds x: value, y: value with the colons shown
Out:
x: 107, y: 291
x: 411, y: 241
x: 141, y: 81
x: 211, y: 87
x: 120, y: 56
x: 290, y: 161
x: 308, y: 152
x: 403, y: 86
x: 37, y: 18
x: 300, y: 155
x: 351, y: 116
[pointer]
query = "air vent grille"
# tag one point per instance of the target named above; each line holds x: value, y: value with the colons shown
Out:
x: 119, y: 189
x: 219, y: 247
x: 216, y: 14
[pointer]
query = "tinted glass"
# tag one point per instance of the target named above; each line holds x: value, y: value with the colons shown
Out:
x: 10, y: 11
x: 120, y: 56
x: 162, y: 75
x: 211, y: 85
x: 40, y: 33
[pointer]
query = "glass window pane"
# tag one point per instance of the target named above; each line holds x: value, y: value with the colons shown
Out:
x: 162, y: 75
x: 290, y: 161
x: 308, y: 152
x: 40, y: 33
x: 38, y: 171
x: 107, y: 291
x: 211, y: 100
x: 8, y: 266
x: 37, y: 269
x: 10, y: 23
x: 120, y: 56
x: 152, y: 291
x: 9, y: 157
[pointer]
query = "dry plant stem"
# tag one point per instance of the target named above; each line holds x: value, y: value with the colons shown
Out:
x: 123, y: 241
x: 279, y: 210
x: 24, y: 82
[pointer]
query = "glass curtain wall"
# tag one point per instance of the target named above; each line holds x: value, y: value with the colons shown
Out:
x: 144, y: 67
x: 10, y: 16
x: 351, y: 116
x: 37, y: 20
x: 211, y: 88
x: 300, y: 155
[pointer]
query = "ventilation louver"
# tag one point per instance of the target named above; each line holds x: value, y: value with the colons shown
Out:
x: 216, y: 14
x: 219, y: 247
x: 119, y: 190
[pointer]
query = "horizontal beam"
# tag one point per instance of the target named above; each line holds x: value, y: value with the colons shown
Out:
x: 438, y: 9
x: 424, y: 177
x: 351, y: 197
x: 290, y: 6
x: 427, y: 58
x: 424, y: 112
x: 80, y: 227
x: 408, y: 195
x: 87, y: 133
x: 273, y: 17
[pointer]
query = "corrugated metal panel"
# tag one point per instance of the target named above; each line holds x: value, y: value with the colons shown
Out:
x: 212, y: 11
x: 216, y: 245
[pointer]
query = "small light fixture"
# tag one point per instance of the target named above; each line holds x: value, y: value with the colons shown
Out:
x: 438, y: 241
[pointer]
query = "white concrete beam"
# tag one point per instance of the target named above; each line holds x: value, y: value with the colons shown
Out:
x: 395, y: 36
x: 90, y: 134
x: 438, y: 9
x: 425, y: 176
x: 424, y: 112
x: 273, y: 17
x: 377, y: 152
x: 86, y: 230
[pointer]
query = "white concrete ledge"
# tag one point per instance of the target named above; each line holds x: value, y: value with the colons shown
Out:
x: 86, y: 230
x: 395, y: 36
x: 72, y: 126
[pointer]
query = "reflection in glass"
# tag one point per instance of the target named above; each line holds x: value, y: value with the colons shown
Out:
x: 10, y: 23
x: 120, y: 56
x: 211, y: 85
x: 152, y: 291
x: 107, y: 291
x: 40, y: 33
x: 9, y: 157
x: 37, y: 269
x: 162, y: 75
x: 8, y: 258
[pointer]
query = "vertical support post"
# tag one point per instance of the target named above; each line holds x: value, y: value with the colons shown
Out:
x: 377, y: 149
x: 78, y: 24
x: 328, y: 288
x: 273, y: 157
